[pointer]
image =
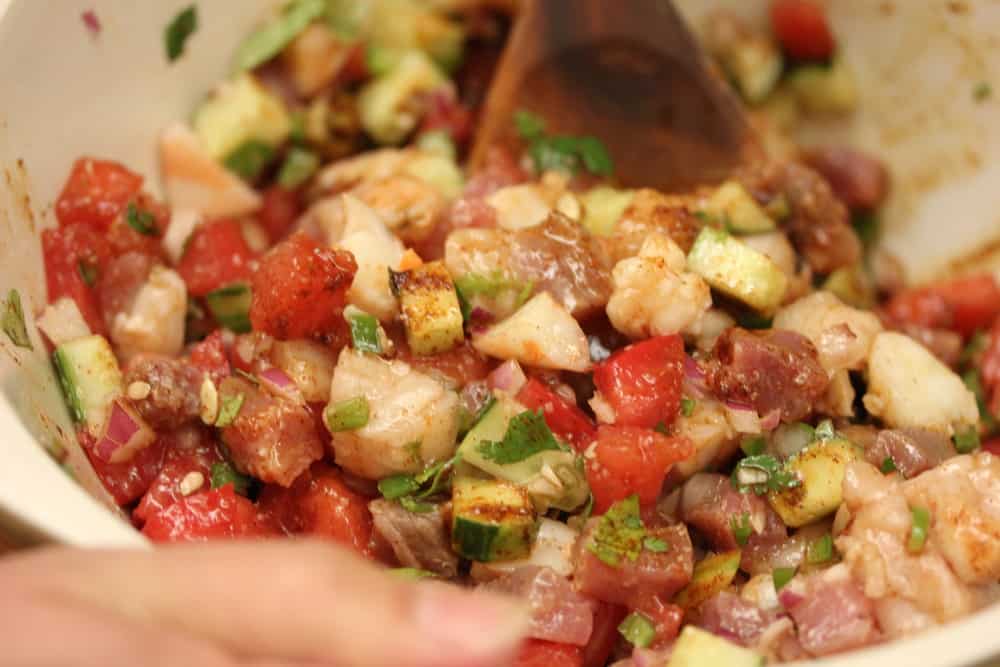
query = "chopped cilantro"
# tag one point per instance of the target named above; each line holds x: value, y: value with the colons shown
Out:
x: 661, y: 428
x: 966, y: 440
x: 562, y: 152
x: 762, y: 473
x: 141, y: 221
x: 741, y: 528
x: 88, y: 272
x: 655, y: 544
x: 867, y: 227
x: 414, y: 506
x: 229, y: 409
x: 974, y: 382
x: 13, y: 321
x: 178, y: 32
x: 249, y: 159
x: 687, y: 406
x: 223, y: 473
x: 781, y: 576
x: 975, y: 347
x: 268, y: 40
x: 619, y: 533
x: 753, y: 446
x: 888, y: 466
x: 397, y: 486
x: 527, y: 434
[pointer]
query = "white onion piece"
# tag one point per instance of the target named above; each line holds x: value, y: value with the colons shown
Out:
x: 507, y: 377
x: 125, y: 434
x: 742, y: 418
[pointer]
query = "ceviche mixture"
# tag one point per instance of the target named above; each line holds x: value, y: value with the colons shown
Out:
x: 705, y: 427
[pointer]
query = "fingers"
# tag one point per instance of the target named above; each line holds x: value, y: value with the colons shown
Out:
x: 300, y: 601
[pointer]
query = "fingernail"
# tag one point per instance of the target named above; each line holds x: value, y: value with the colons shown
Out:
x: 470, y: 627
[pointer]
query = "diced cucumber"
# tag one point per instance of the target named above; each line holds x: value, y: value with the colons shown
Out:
x: 603, y: 206
x: 429, y: 308
x: 492, y: 520
x: 700, y: 648
x: 733, y: 205
x: 734, y: 268
x: 852, y: 286
x: 437, y: 170
x: 383, y: 104
x: 825, y: 89
x: 554, y: 478
x: 755, y: 66
x: 240, y: 111
x: 230, y: 305
x: 712, y: 575
x: 402, y: 25
x: 90, y: 378
x: 820, y: 467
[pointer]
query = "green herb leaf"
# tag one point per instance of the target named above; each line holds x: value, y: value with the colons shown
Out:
x: 982, y: 91
x: 655, y: 544
x: 249, y: 159
x: 888, y: 466
x: 364, y: 333
x: 229, y: 409
x: 966, y: 440
x: 868, y: 228
x: 661, y: 428
x: 974, y: 383
x: 223, y: 473
x: 141, y: 221
x: 529, y: 126
x: 820, y: 550
x: 397, y: 486
x: 918, y: 530
x: 347, y: 415
x: 298, y: 167
x: 268, y: 40
x: 414, y: 506
x: 595, y: 156
x: 781, y: 576
x: 527, y: 434
x: 619, y: 533
x: 178, y: 32
x: 976, y: 345
x: 687, y: 406
x: 753, y: 446
x: 637, y: 629
x: 740, y: 525
x: 13, y: 321
x: 411, y: 573
x: 762, y: 473
x: 88, y: 272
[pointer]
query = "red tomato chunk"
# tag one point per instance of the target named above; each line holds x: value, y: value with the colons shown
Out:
x: 540, y: 653
x: 565, y: 419
x: 629, y: 460
x: 962, y: 305
x: 802, y: 29
x: 218, y: 513
x: 300, y: 289
x: 96, y: 192
x: 642, y: 381
x: 128, y: 480
x: 73, y: 255
x: 216, y: 255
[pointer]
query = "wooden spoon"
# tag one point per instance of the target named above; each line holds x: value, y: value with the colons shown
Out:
x: 628, y: 72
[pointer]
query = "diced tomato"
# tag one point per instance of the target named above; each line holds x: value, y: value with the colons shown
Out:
x: 666, y: 617
x: 123, y: 238
x: 207, y: 514
x: 541, y: 653
x: 216, y: 255
x: 445, y: 112
x: 127, y: 480
x: 962, y: 305
x: 322, y: 505
x: 992, y: 446
x: 631, y: 460
x: 356, y: 65
x: 300, y: 289
x: 279, y: 209
x: 642, y: 381
x: 605, y: 635
x: 802, y: 28
x: 70, y: 254
x: 189, y: 451
x: 210, y: 356
x: 564, y: 418
x: 96, y: 192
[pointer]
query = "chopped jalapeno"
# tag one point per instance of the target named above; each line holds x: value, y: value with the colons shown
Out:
x: 637, y: 629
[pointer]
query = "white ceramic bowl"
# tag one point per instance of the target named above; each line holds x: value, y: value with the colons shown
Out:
x: 65, y: 92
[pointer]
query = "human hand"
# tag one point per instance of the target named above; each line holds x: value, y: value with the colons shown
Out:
x: 266, y: 604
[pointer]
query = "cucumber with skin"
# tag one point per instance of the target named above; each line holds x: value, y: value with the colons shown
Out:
x: 492, y: 520
x: 90, y: 378
x: 820, y: 467
x: 737, y: 270
x: 429, y: 308
x: 230, y: 305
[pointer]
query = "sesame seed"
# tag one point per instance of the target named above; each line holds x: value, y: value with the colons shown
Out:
x: 138, y: 390
x: 191, y: 482
x: 209, y: 401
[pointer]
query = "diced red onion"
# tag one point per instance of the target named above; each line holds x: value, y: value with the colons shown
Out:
x: 125, y: 434
x: 507, y: 377
x: 770, y: 421
x: 695, y: 382
x: 277, y: 382
x: 644, y: 657
x: 789, y: 598
x: 91, y: 21
x: 742, y: 417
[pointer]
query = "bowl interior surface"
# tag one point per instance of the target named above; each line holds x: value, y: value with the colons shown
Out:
x: 69, y: 92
